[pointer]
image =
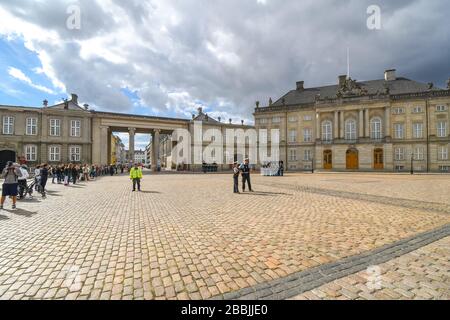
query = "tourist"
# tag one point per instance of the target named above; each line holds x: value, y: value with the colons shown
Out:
x: 11, y: 175
x: 136, y: 176
x: 59, y: 174
x: 74, y: 174
x: 245, y: 169
x: 236, y: 178
x: 86, y: 172
x: 281, y: 168
x: 22, y: 180
x: 37, y: 176
x: 67, y: 169
x: 111, y: 170
x: 44, y: 177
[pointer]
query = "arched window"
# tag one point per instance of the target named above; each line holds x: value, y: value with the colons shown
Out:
x: 350, y: 129
x: 327, y: 130
x: 375, y: 128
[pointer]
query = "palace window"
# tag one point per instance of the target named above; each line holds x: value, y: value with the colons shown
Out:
x: 419, y: 153
x: 418, y: 130
x: 293, y: 136
x: 293, y: 155
x: 276, y: 119
x: 55, y: 127
x: 417, y: 110
x: 375, y: 128
x: 327, y: 131
x: 441, y: 108
x: 443, y: 153
x: 307, y: 135
x: 399, y: 131
x: 307, y: 155
x: 398, y: 110
x: 31, y: 127
x: 8, y: 125
x: 75, y: 153
x: 293, y: 119
x: 444, y: 168
x: 54, y: 153
x: 399, y: 154
x: 350, y: 130
x: 75, y: 128
x: 442, y: 129
x: 31, y: 153
x: 307, y: 118
x: 263, y: 121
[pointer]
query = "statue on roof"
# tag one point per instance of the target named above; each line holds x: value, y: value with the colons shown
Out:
x: 351, y: 88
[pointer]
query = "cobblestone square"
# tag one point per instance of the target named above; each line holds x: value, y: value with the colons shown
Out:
x: 373, y: 236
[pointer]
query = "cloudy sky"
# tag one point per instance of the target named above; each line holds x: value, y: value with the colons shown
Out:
x: 168, y: 57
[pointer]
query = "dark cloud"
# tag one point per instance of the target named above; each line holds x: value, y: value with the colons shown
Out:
x: 228, y: 54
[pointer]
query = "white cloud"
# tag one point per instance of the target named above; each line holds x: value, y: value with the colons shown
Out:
x: 19, y: 75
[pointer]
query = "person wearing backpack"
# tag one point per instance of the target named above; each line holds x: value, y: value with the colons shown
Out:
x: 11, y: 175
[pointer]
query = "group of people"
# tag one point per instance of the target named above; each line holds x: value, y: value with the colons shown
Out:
x: 243, y: 170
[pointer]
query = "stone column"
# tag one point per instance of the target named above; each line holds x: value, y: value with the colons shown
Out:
x: 367, y: 124
x: 155, y: 149
x: 132, y: 133
x: 318, y: 126
x: 361, y: 123
x: 387, y: 121
x: 104, y: 145
x: 342, y: 126
x: 336, y: 125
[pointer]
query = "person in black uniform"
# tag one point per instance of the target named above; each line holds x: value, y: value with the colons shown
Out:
x: 235, y: 178
x: 245, y: 169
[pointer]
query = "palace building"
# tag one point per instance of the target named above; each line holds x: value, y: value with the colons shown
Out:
x: 391, y: 124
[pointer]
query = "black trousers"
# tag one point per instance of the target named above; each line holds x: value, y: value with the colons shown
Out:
x: 236, y: 184
x: 22, y: 188
x: 246, y: 177
x: 138, y: 181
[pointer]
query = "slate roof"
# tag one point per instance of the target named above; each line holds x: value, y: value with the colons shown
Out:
x: 308, y: 95
x: 205, y: 118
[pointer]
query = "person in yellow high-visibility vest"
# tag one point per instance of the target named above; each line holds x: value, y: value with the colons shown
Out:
x: 136, y: 176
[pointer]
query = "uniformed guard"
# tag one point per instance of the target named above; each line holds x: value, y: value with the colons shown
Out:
x: 245, y: 169
x: 236, y: 177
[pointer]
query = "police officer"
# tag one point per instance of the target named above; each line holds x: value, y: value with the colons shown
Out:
x: 245, y: 169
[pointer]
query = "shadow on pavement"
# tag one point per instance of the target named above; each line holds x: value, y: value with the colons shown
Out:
x: 22, y: 212
x: 2, y: 217
x: 262, y: 193
x: 155, y: 192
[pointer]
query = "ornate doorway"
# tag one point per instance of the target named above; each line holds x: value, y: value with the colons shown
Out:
x: 328, y: 159
x: 378, y: 162
x: 5, y: 156
x: 352, y: 159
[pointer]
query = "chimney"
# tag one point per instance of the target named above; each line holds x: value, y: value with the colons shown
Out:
x: 342, y: 80
x: 300, y: 86
x: 220, y: 119
x: 231, y: 121
x: 242, y: 122
x: 74, y: 98
x: 86, y: 106
x: 45, y: 103
x: 389, y: 75
x: 200, y: 110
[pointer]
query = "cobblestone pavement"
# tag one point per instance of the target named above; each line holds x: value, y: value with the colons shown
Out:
x: 421, y: 274
x: 190, y: 237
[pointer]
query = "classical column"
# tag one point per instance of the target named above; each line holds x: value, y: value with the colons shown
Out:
x: 132, y: 133
x: 318, y: 126
x: 155, y: 149
x: 361, y: 123
x: 336, y: 125
x: 367, y: 124
x: 387, y: 121
x: 104, y: 145
x: 342, y: 126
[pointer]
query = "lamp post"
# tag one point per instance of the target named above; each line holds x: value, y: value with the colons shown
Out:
x: 312, y: 165
x: 412, y: 162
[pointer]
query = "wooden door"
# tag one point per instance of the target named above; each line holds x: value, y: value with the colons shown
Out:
x: 328, y: 159
x: 352, y: 159
x: 378, y: 161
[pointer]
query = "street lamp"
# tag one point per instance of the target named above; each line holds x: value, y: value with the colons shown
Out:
x: 412, y: 162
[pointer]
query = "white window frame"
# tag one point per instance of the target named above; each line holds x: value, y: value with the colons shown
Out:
x: 399, y: 154
x: 55, y: 127
x: 443, y: 153
x: 307, y: 118
x: 398, y: 110
x: 418, y: 130
x: 54, y: 153
x: 399, y: 130
x: 417, y: 110
x: 292, y: 155
x: 327, y: 130
x: 31, y: 152
x: 350, y: 129
x: 8, y: 125
x: 307, y: 155
x: 307, y: 135
x: 263, y: 121
x: 376, y: 128
x: 293, y: 119
x: 292, y: 135
x: 441, y: 108
x: 76, y: 154
x: 441, y: 129
x: 31, y: 126
x: 276, y: 120
x: 75, y: 128
x: 419, y: 153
